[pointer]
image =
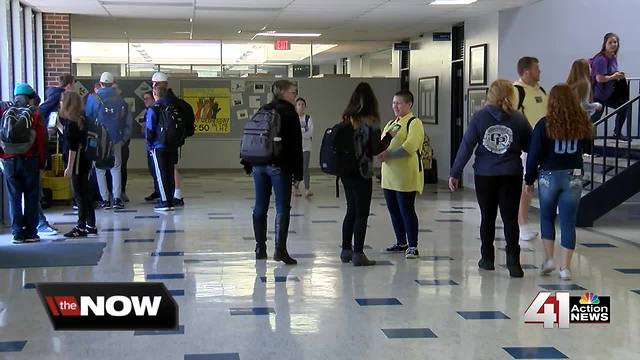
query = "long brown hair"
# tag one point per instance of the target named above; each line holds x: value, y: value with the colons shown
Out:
x: 566, y: 120
x: 363, y: 105
x: 71, y: 108
x: 608, y: 36
x: 501, y: 93
x: 579, y: 79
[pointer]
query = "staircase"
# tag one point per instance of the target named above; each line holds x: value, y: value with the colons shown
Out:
x: 612, y: 173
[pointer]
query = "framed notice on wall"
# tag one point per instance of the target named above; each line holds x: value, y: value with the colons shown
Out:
x: 428, y: 99
x: 476, y: 100
x: 478, y: 65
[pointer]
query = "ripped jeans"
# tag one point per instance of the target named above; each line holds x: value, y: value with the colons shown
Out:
x: 559, y: 190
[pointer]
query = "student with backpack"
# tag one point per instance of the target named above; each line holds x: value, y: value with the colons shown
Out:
x: 403, y: 173
x: 306, y: 126
x: 361, y: 124
x: 531, y: 100
x: 22, y: 139
x: 78, y: 165
x: 160, y: 81
x: 271, y: 150
x: 165, y: 133
x: 109, y: 110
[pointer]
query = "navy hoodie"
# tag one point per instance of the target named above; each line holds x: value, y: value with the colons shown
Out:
x: 152, y: 127
x: 51, y: 102
x: 501, y: 138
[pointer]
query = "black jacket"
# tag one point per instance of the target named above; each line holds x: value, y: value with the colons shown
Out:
x: 291, y: 159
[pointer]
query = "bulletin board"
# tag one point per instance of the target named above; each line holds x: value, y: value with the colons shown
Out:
x: 223, y: 106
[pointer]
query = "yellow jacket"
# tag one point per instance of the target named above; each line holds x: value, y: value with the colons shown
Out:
x: 403, y: 173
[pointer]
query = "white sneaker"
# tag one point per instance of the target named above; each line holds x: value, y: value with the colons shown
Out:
x: 565, y: 274
x: 526, y: 235
x: 296, y: 192
x: 547, y: 267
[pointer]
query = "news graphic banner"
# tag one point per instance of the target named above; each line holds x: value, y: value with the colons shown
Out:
x: 563, y: 309
x: 109, y: 306
x: 211, y: 107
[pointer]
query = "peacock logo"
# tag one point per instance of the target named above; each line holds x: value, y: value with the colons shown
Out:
x: 589, y: 298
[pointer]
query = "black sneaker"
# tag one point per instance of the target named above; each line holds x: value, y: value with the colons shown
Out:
x: 33, y: 239
x: 412, y: 253
x: 118, y: 204
x: 92, y: 231
x: 17, y: 239
x: 76, y: 232
x: 397, y: 248
x: 162, y: 206
x: 104, y: 204
x: 153, y: 196
x: 178, y: 202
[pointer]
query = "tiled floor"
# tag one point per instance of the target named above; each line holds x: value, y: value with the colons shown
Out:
x: 232, y: 307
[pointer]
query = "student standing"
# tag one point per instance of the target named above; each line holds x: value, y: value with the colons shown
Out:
x: 555, y: 160
x: 499, y: 134
x: 78, y: 166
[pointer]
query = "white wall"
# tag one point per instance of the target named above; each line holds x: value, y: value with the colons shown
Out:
x: 429, y: 58
x: 477, y: 31
x: 559, y: 32
x: 550, y: 31
x: 326, y: 99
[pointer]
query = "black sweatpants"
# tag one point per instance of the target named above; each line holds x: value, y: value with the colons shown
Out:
x: 83, y: 193
x: 123, y: 167
x: 502, y: 192
x: 357, y: 191
x: 164, y: 163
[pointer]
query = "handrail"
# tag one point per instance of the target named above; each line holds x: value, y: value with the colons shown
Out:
x: 616, y: 111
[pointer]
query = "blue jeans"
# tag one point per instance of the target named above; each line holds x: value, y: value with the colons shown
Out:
x: 402, y: 209
x: 559, y: 189
x: 23, y: 177
x: 266, y: 177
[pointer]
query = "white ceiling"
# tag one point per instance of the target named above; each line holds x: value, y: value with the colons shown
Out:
x: 337, y: 20
x: 357, y: 26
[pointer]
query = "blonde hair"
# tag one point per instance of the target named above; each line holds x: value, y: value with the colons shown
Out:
x: 579, y: 79
x: 71, y: 108
x: 502, y: 93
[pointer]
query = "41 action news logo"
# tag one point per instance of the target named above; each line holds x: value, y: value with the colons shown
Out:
x: 109, y: 306
x: 563, y: 309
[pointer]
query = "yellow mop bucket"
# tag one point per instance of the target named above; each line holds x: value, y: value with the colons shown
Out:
x: 60, y: 186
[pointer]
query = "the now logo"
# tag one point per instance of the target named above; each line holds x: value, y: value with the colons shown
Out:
x: 109, y: 306
x: 113, y: 306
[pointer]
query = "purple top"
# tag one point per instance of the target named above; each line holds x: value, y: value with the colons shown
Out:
x: 602, y: 65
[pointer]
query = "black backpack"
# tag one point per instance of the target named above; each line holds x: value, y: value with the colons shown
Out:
x: 521, y: 95
x: 337, y: 151
x: 98, y: 147
x: 17, y: 133
x: 188, y: 117
x: 261, y: 143
x: 171, y: 131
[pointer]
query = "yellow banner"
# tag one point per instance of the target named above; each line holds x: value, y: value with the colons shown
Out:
x: 212, y: 109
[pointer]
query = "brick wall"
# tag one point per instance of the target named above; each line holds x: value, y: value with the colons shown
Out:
x: 56, y: 31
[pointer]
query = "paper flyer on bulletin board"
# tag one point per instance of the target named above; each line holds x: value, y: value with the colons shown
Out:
x: 212, y: 108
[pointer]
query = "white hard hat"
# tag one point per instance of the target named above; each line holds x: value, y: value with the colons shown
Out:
x: 106, y: 78
x: 159, y: 76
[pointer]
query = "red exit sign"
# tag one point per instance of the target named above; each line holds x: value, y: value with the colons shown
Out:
x: 282, y: 44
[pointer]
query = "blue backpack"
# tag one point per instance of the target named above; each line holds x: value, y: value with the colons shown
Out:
x: 112, y: 114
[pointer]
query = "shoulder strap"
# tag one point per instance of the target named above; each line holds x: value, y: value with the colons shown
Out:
x: 409, y: 123
x: 306, y: 121
x: 521, y: 95
x: 543, y: 90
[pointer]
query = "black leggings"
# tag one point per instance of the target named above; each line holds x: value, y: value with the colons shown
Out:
x: 83, y: 193
x: 357, y: 191
x: 502, y: 192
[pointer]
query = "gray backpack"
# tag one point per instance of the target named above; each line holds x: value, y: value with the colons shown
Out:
x: 261, y: 143
x: 16, y: 133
